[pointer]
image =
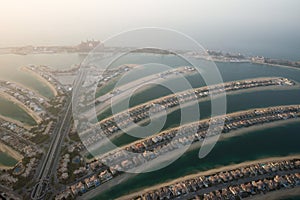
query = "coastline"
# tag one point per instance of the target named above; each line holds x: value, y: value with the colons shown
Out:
x: 124, y: 177
x: 11, y: 152
x: 213, y: 171
x: 246, y: 61
x: 31, y: 113
x: 175, y: 108
x: 234, y: 92
x: 40, y: 78
x: 276, y: 65
x: 130, y: 87
x: 26, y: 126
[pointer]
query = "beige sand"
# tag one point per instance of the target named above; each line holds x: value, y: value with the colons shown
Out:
x: 26, y: 126
x: 213, y: 171
x: 36, y: 117
x: 11, y: 152
x: 40, y: 78
x: 124, y: 177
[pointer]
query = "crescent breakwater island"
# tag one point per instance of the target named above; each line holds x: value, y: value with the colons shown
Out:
x: 111, y: 126
x: 151, y: 151
x: 70, y: 174
x: 86, y: 46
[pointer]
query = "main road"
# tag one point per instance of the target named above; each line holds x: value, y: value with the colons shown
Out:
x: 50, y: 160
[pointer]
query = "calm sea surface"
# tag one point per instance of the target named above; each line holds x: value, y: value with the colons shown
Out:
x: 278, y: 141
x: 10, y: 71
x: 6, y: 160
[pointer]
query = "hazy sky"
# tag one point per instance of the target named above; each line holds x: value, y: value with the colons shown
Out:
x: 211, y: 22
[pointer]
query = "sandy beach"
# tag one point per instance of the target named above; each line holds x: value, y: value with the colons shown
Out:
x: 11, y: 152
x: 213, y: 171
x: 175, y: 108
x: 247, y: 61
x: 40, y: 78
x: 197, y: 145
x: 129, y: 88
x: 26, y: 126
x: 250, y: 90
x: 36, y: 118
x: 36, y: 94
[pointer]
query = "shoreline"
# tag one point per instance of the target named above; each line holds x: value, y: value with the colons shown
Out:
x: 205, y: 99
x: 173, y: 109
x: 31, y: 113
x: 208, y: 58
x: 10, y: 120
x: 212, y: 171
x: 124, y: 177
x: 40, y: 78
x: 10, y: 152
x: 130, y: 87
x: 36, y: 93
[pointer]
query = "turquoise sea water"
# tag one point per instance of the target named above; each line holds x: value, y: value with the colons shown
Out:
x: 277, y: 141
x: 7, y: 160
x: 10, y: 71
x: 8, y: 109
x: 10, y: 68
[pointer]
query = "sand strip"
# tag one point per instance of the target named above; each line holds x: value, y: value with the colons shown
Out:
x: 20, y: 124
x: 36, y: 117
x: 124, y: 177
x: 213, y: 171
x: 11, y: 152
x: 40, y: 78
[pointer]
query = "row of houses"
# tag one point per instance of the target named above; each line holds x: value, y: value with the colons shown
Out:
x: 257, y: 187
x: 193, y: 187
x: 113, y: 124
x: 85, y: 185
x: 161, y: 144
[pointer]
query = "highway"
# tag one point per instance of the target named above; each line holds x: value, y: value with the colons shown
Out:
x: 51, y: 159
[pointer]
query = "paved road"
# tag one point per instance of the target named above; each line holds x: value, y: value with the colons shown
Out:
x: 51, y: 159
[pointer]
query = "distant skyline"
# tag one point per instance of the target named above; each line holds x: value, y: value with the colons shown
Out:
x: 215, y: 24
